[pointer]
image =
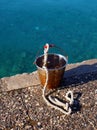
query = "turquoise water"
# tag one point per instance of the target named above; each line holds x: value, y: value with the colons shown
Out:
x: 26, y: 25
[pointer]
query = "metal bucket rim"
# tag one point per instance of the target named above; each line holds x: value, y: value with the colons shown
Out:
x: 64, y: 57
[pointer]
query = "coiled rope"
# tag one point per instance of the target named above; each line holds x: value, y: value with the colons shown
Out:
x: 53, y: 101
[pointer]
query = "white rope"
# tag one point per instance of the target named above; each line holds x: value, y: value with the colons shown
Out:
x: 52, y: 101
x: 69, y: 93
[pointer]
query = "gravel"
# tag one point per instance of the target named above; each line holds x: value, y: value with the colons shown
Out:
x: 25, y: 109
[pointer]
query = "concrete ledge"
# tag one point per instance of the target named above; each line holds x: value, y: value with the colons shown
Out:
x: 81, y: 68
x: 19, y: 81
x: 26, y: 80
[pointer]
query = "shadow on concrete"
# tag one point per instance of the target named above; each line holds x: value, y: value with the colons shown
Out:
x: 79, y: 75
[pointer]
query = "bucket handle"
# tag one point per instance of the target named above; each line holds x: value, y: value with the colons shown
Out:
x: 61, y: 50
x: 51, y: 45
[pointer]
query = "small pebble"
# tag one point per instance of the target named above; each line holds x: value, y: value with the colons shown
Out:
x: 39, y: 125
x: 26, y: 101
x: 37, y: 104
x: 26, y: 96
x: 27, y: 127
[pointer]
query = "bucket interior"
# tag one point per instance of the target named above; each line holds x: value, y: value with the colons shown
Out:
x: 54, y: 61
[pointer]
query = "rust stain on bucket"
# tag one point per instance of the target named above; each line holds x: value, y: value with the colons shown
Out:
x: 56, y: 65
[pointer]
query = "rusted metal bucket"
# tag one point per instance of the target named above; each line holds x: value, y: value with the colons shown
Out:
x: 56, y: 64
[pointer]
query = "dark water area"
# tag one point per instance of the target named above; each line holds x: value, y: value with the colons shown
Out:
x: 26, y: 25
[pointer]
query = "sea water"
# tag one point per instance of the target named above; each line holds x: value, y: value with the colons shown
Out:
x: 26, y: 25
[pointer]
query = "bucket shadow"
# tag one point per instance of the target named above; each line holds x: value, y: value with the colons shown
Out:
x: 79, y: 75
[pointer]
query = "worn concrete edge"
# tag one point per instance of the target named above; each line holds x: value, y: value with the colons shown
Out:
x: 31, y: 79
